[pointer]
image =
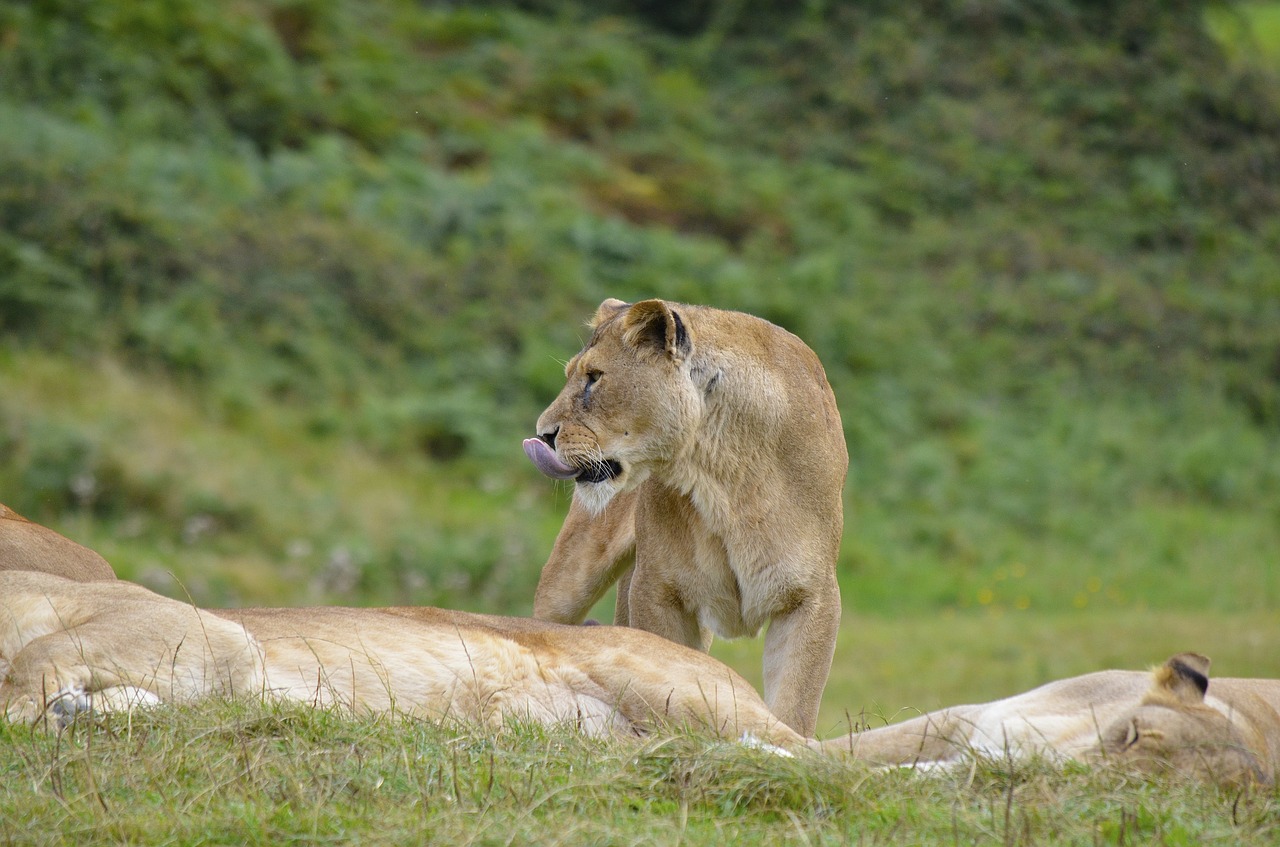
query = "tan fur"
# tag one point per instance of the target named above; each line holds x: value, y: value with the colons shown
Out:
x: 71, y: 645
x: 27, y: 546
x: 730, y: 461
x: 1160, y: 720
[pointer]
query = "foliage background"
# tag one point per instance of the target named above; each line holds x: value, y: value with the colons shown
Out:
x: 284, y: 282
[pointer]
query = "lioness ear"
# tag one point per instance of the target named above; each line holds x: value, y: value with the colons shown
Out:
x: 655, y: 325
x: 608, y: 309
x: 1185, y: 677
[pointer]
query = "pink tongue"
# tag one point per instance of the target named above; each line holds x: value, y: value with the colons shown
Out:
x: 546, y: 459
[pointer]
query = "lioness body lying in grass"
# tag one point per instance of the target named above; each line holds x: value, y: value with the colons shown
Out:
x: 66, y: 647
x: 70, y: 645
x: 1165, y: 719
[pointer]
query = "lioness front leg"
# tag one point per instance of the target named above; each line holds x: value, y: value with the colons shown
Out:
x: 798, y: 649
x: 590, y: 554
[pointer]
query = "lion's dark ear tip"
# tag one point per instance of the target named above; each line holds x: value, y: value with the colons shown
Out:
x: 1198, y: 662
x: 653, y: 325
x: 1192, y: 668
x: 680, y: 345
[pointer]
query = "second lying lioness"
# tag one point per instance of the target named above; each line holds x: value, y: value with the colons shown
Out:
x: 1171, y: 718
x: 710, y: 441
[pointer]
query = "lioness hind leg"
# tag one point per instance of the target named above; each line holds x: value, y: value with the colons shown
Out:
x: 69, y: 703
x: 64, y: 705
x: 118, y: 698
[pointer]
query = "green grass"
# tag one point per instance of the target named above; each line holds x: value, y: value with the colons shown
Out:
x: 257, y: 509
x: 1249, y: 32
x: 253, y: 774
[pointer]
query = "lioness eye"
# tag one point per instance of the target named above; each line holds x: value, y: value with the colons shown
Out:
x: 1132, y: 735
x: 592, y: 378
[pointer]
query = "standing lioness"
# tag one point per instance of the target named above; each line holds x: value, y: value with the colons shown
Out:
x: 709, y: 442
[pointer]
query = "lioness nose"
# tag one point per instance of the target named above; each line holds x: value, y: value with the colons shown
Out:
x: 550, y: 437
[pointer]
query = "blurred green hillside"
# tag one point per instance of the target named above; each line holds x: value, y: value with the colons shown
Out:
x: 283, y: 283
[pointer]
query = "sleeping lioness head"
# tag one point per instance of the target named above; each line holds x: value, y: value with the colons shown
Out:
x: 708, y: 442
x: 1172, y: 727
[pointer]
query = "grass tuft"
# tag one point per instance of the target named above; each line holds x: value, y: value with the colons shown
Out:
x: 252, y: 773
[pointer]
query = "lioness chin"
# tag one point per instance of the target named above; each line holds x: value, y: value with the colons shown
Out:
x: 707, y: 445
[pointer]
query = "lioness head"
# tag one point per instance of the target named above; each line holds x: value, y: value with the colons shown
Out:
x: 1173, y: 728
x: 629, y: 402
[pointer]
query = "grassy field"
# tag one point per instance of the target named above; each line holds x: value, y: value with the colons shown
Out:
x: 242, y: 774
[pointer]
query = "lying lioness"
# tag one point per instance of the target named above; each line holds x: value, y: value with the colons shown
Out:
x: 25, y: 545
x: 70, y: 645
x: 1165, y: 719
x: 66, y: 647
